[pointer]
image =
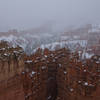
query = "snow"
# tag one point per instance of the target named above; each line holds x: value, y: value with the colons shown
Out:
x: 5, y: 54
x: 86, y: 55
x: 64, y: 38
x: 2, y: 48
x: 14, y: 41
x: 91, y: 85
x: 76, y: 37
x: 84, y: 70
x: 45, y: 56
x: 97, y: 62
x: 64, y: 44
x: 86, y: 83
x: 33, y: 72
x: 65, y: 72
x: 30, y: 44
x: 79, y: 81
x: 71, y: 89
x: 95, y: 28
x: 15, y: 51
x: 43, y: 67
x: 29, y: 61
x: 9, y: 38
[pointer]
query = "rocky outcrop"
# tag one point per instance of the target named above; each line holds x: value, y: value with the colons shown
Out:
x: 11, y: 66
x: 78, y: 80
x: 68, y: 77
x: 47, y: 75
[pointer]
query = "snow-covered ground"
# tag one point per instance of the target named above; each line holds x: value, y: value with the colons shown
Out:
x: 31, y: 42
x: 95, y: 28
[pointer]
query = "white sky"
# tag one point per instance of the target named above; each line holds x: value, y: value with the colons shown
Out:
x: 31, y: 13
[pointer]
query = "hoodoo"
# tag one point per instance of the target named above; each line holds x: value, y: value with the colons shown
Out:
x: 48, y: 75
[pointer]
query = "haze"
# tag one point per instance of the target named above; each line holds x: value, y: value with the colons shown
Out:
x: 24, y: 14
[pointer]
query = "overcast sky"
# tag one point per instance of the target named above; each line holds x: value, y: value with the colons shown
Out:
x: 23, y: 14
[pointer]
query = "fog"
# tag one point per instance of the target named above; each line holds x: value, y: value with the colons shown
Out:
x: 24, y: 14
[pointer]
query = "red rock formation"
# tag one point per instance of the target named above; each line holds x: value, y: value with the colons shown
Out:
x: 11, y: 66
x: 47, y: 75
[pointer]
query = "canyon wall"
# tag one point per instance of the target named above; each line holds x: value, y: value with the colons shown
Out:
x: 11, y: 66
x: 78, y: 80
x: 48, y: 75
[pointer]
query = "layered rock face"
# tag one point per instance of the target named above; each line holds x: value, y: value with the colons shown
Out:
x: 78, y: 80
x: 47, y: 75
x: 39, y: 78
x: 67, y: 77
x: 11, y: 66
